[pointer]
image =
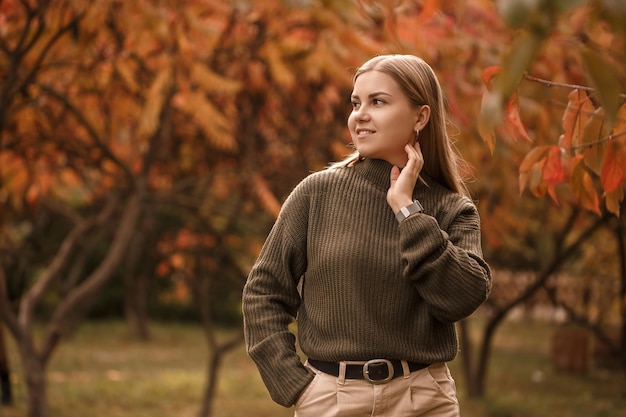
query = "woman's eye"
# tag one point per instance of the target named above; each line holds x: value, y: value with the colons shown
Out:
x: 378, y: 101
x: 355, y: 104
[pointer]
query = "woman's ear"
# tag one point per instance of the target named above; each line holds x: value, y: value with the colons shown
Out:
x: 423, y: 115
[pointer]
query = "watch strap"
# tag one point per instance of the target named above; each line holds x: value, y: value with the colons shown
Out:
x: 406, y: 211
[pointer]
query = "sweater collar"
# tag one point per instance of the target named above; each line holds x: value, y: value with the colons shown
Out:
x: 376, y: 171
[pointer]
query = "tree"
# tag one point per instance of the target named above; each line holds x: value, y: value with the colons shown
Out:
x: 584, y: 165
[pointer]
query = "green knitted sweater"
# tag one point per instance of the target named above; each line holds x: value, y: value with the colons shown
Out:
x: 371, y: 288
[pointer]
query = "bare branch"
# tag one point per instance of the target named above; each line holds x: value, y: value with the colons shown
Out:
x: 6, y: 313
x: 63, y: 210
x: 564, y: 85
x: 71, y: 307
x: 60, y: 261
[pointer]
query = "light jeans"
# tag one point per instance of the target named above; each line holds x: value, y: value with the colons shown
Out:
x: 428, y: 392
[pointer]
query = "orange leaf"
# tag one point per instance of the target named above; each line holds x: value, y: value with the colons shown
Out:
x: 612, y: 174
x: 265, y: 195
x: 513, y: 120
x: 552, y: 193
x: 594, y: 135
x: 489, y: 73
x: 430, y: 8
x: 582, y: 186
x: 536, y: 154
x: 536, y: 184
x: 613, y: 200
x: 155, y: 99
x: 555, y: 168
x: 578, y: 111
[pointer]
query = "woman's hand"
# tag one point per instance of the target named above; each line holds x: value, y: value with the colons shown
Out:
x: 402, y: 183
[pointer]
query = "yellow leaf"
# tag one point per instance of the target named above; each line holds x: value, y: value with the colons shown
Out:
x: 594, y: 135
x: 281, y: 74
x: 613, y: 200
x: 582, y: 186
x: 265, y: 195
x: 210, y: 120
x: 211, y: 81
x: 579, y: 110
x: 155, y: 98
x: 535, y: 156
x: 127, y: 74
x: 490, y: 116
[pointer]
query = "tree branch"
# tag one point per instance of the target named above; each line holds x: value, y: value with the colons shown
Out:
x: 72, y: 306
x: 564, y: 85
x: 7, y: 314
x: 32, y: 297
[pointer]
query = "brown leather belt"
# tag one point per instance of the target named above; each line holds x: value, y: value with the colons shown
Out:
x: 376, y: 371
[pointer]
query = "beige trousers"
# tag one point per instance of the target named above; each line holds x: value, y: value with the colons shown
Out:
x: 429, y: 392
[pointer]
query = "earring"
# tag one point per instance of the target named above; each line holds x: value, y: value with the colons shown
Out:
x: 417, y: 134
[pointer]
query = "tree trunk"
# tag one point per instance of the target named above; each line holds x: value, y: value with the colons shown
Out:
x: 475, y: 368
x: 135, y: 290
x: 6, y: 395
x: 35, y: 378
x: 135, y: 306
x: 213, y: 364
x: 476, y: 375
x: 141, y: 303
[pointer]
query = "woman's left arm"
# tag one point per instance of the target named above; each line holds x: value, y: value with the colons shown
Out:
x: 447, y: 266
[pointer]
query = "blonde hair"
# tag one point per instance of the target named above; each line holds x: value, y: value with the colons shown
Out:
x: 419, y: 82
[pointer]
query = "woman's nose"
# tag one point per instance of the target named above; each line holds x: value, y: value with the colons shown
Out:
x: 361, y: 114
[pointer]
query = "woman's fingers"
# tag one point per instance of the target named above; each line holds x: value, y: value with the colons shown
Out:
x: 402, y: 182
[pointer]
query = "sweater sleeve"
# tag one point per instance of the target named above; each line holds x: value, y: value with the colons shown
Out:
x: 446, y: 266
x: 270, y: 303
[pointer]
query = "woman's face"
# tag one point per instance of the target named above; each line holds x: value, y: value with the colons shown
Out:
x: 383, y: 120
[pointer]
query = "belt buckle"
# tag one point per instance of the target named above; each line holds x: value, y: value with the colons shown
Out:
x: 373, y: 362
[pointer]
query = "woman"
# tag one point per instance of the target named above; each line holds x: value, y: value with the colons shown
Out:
x: 386, y: 247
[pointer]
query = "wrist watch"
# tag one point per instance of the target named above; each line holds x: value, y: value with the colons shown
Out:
x: 406, y: 211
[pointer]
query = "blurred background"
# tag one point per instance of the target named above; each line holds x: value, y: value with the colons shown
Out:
x: 146, y: 147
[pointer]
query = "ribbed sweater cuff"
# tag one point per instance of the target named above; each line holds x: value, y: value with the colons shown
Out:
x: 421, y: 234
x: 284, y: 374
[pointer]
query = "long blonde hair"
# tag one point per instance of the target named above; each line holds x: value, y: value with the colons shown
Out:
x: 419, y: 82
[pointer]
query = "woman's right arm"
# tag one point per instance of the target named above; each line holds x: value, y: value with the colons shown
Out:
x: 270, y: 303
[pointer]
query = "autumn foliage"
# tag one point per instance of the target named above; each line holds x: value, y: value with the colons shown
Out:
x: 580, y: 45
x: 158, y: 139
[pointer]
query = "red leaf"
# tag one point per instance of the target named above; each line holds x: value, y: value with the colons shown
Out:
x: 430, y: 8
x: 555, y: 171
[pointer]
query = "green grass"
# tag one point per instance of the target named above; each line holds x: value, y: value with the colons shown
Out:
x: 100, y: 371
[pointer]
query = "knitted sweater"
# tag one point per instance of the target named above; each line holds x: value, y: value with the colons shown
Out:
x: 371, y: 288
